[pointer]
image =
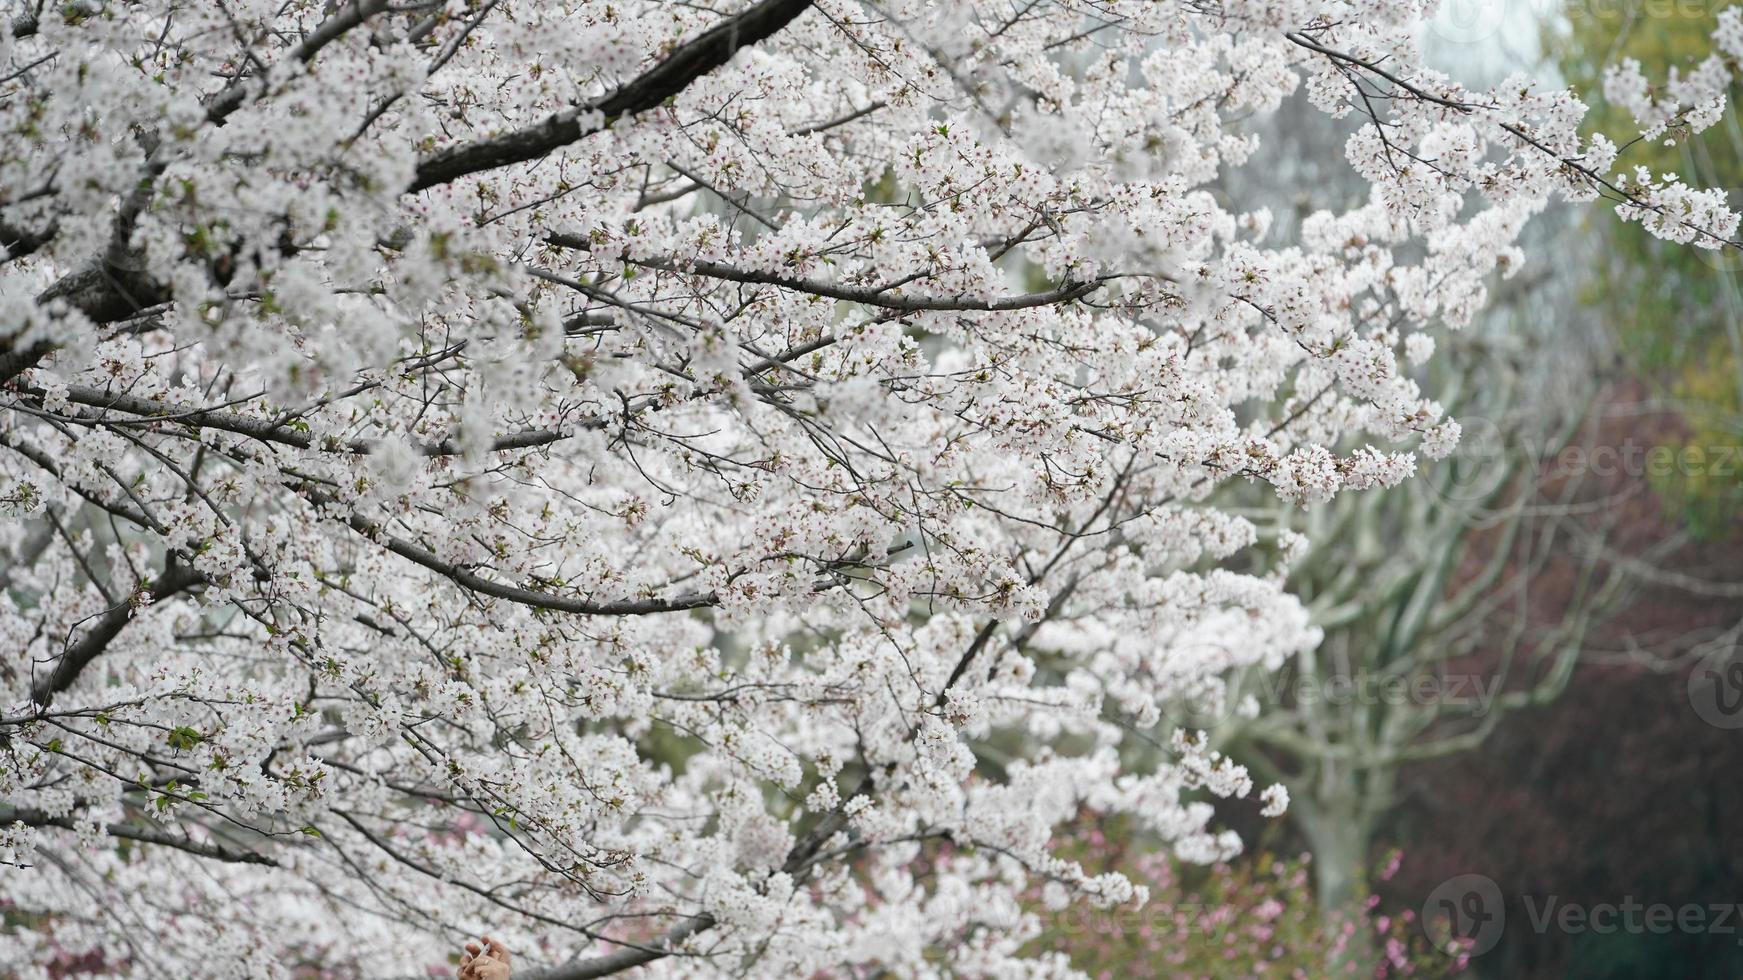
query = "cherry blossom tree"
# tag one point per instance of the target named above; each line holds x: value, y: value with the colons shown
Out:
x: 642, y: 476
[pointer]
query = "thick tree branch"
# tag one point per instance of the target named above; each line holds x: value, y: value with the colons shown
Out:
x: 883, y: 297
x: 799, y: 860
x: 175, y: 578
x: 689, y: 62
x: 112, y: 290
x: 347, y: 17
x: 468, y: 579
x: 152, y: 412
x: 629, y: 957
x: 18, y: 242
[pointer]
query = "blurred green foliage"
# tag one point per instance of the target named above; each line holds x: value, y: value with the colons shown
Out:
x: 1677, y: 310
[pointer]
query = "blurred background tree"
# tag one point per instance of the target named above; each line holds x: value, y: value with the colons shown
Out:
x: 1428, y: 595
x: 1676, y: 314
x: 1435, y: 626
x: 1620, y: 789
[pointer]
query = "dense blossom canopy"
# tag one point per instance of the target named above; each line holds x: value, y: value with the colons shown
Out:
x: 708, y: 485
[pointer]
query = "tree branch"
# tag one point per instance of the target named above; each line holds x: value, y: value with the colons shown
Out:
x: 151, y: 411
x: 145, y: 835
x: 878, y: 296
x: 176, y: 577
x: 689, y: 62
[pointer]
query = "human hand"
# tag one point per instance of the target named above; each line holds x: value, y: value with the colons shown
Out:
x: 488, y: 961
